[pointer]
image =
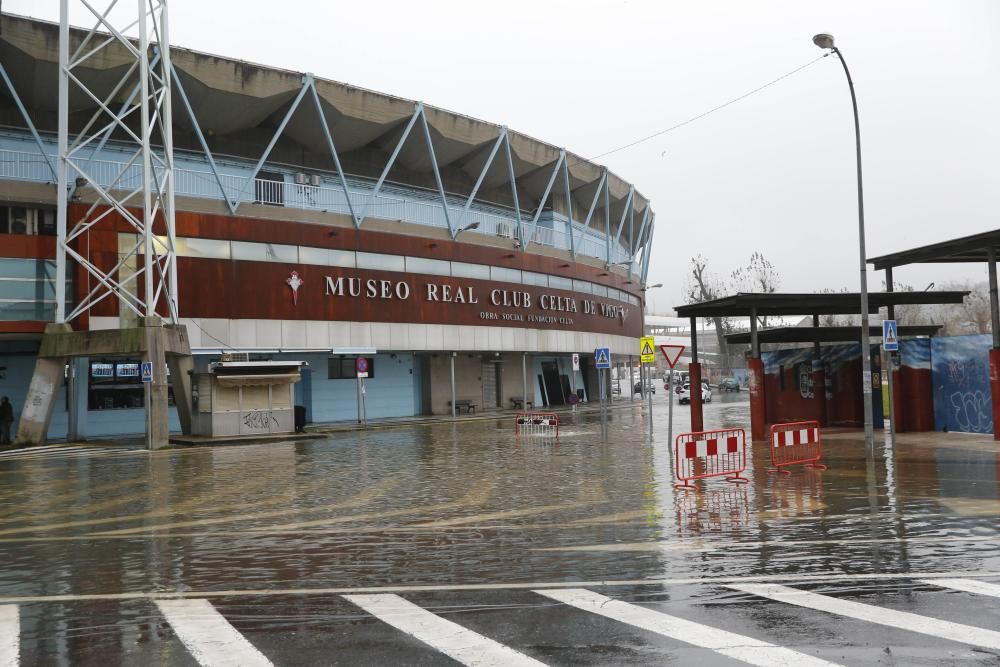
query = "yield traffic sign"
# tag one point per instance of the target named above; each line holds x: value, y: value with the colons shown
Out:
x: 672, y: 353
x: 647, y: 351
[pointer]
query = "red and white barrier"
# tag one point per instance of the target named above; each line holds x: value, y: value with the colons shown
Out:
x: 710, y: 454
x: 537, y: 423
x: 794, y: 443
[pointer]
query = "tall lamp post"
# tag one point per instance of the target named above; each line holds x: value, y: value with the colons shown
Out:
x: 825, y: 41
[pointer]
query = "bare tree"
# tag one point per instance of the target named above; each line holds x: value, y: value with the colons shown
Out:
x: 758, y: 276
x: 705, y: 286
x: 969, y: 317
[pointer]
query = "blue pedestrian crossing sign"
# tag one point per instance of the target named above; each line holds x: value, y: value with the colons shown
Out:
x: 890, y: 336
x: 602, y: 357
x: 147, y: 371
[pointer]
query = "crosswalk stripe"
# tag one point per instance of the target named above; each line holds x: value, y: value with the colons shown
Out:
x: 903, y: 620
x: 212, y: 641
x: 730, y: 644
x: 967, y: 585
x: 10, y: 635
x: 458, y: 643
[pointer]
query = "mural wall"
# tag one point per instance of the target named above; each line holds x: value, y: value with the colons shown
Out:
x: 961, y: 376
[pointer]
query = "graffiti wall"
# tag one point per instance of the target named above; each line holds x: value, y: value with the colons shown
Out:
x: 960, y: 372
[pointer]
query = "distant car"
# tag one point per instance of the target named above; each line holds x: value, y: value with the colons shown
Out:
x: 650, y: 387
x: 684, y: 395
x: 729, y: 384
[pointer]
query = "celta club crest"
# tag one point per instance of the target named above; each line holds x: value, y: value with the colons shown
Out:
x: 295, y: 283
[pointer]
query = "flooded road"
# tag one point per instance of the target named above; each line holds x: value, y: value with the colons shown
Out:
x: 125, y: 557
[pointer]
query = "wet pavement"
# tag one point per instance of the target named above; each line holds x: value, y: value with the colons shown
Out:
x: 461, y: 543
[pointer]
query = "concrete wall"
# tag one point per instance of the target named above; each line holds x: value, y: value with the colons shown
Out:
x: 390, y: 393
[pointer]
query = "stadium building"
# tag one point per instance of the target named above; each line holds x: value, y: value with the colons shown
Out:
x: 320, y: 222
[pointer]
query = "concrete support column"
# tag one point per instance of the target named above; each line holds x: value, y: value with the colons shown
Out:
x: 819, y: 377
x: 33, y: 426
x: 180, y: 380
x: 451, y: 360
x: 158, y: 411
x: 694, y: 377
x: 524, y: 381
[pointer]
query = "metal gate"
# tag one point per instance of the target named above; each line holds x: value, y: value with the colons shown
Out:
x: 489, y: 385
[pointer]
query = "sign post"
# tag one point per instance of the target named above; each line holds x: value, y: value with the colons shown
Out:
x: 602, y: 361
x: 361, y: 364
x: 147, y: 382
x: 890, y: 344
x: 672, y: 353
x: 576, y: 367
x: 647, y: 356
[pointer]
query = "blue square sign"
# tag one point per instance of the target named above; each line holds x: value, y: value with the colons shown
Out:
x: 602, y: 357
x: 890, y: 336
x: 147, y: 371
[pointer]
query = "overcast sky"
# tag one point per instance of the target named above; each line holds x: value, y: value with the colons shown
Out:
x: 774, y: 172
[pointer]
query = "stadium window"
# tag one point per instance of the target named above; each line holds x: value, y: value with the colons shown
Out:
x: 27, y: 220
x: 345, y: 368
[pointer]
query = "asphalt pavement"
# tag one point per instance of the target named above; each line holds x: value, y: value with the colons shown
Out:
x: 466, y: 544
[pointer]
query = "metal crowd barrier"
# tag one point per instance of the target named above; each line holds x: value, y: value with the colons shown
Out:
x: 537, y: 423
x: 710, y: 454
x: 794, y: 443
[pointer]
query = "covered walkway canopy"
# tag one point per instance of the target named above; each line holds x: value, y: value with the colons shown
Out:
x: 981, y: 247
x: 825, y: 334
x: 755, y: 305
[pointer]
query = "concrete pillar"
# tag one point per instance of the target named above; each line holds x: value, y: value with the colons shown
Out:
x: 180, y: 380
x: 818, y: 377
x: 694, y: 377
x: 33, y: 426
x: 451, y: 359
x: 157, y: 411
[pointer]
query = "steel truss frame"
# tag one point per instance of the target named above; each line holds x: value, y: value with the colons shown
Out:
x: 148, y: 105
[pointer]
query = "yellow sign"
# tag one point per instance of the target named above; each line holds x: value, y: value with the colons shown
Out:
x: 647, y: 350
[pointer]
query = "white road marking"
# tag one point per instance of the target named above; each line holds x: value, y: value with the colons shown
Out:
x: 903, y: 620
x: 212, y: 641
x: 729, y: 644
x: 967, y: 585
x: 458, y: 643
x: 10, y: 636
x: 500, y: 586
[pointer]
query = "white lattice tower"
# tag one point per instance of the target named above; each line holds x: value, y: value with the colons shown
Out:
x: 135, y: 108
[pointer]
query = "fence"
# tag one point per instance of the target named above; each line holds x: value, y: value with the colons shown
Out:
x: 710, y: 454
x: 793, y: 443
x: 537, y: 423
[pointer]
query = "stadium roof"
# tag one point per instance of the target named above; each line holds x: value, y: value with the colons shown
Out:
x: 825, y: 334
x: 239, y: 105
x: 827, y: 303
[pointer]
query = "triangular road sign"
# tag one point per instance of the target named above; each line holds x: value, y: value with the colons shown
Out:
x: 672, y: 353
x: 647, y: 347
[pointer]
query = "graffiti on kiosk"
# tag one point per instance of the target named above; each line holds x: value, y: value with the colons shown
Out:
x: 259, y: 420
x: 972, y: 411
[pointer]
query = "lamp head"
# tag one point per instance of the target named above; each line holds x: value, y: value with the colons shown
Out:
x: 823, y: 40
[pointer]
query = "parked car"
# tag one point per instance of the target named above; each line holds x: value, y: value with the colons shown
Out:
x: 729, y: 384
x: 684, y: 395
x: 650, y: 387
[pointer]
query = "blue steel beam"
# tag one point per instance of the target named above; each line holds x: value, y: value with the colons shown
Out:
x: 388, y: 165
x: 569, y: 206
x: 306, y: 81
x: 513, y: 186
x: 649, y: 252
x: 607, y: 219
x: 625, y: 211
x: 545, y: 198
x: 27, y: 119
x: 479, y: 181
x: 593, y: 206
x: 230, y: 204
x: 333, y: 153
x: 642, y: 230
x: 434, y: 165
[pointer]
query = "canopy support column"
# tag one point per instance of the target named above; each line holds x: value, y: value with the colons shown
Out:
x: 819, y: 377
x: 758, y: 402
x: 991, y: 265
x: 694, y: 384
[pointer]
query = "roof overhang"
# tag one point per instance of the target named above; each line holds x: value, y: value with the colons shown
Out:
x: 833, y: 303
x: 825, y: 334
x: 975, y: 248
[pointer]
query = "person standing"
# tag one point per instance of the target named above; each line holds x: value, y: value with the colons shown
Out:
x: 6, y: 419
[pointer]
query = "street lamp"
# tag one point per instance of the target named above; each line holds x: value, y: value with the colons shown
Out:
x: 648, y: 287
x: 825, y: 41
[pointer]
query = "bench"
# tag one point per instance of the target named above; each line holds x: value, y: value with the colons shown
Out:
x: 518, y: 403
x: 466, y: 405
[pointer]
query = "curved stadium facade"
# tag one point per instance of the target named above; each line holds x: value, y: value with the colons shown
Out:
x: 318, y: 221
